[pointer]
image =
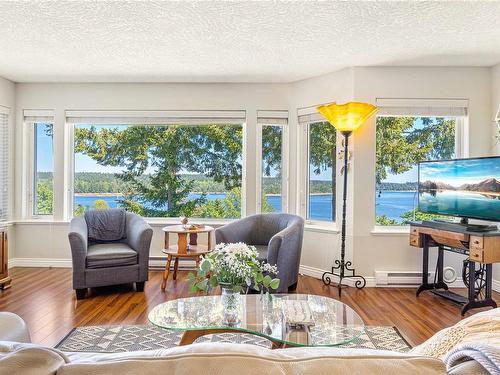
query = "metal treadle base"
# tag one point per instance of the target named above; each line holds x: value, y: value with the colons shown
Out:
x: 451, y: 296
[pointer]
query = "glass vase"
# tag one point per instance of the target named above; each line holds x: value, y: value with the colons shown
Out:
x: 231, y: 302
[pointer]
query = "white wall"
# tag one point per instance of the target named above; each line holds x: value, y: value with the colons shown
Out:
x: 369, y: 250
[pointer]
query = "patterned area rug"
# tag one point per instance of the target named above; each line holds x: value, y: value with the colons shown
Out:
x: 114, y: 339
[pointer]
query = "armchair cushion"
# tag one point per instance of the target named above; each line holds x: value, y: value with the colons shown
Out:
x: 110, y: 255
x: 262, y: 250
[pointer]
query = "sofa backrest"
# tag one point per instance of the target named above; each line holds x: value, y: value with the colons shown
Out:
x: 29, y: 359
x: 221, y: 359
x: 267, y: 225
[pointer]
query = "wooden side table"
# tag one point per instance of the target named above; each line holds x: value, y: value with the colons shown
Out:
x: 183, y: 249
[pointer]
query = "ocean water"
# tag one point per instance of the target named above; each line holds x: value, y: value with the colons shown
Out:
x: 390, y: 203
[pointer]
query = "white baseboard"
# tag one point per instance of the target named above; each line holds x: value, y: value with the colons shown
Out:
x: 40, y: 262
x: 154, y: 263
x: 496, y: 285
x: 159, y: 263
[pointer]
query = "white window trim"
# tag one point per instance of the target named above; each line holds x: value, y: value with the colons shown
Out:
x: 461, y: 151
x: 284, y: 165
x: 31, y: 117
x: 304, y: 175
x: 70, y: 180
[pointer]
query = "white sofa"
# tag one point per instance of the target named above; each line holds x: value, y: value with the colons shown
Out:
x: 220, y: 359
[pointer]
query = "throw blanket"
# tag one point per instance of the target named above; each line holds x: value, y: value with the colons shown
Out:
x: 488, y: 356
x: 106, y: 225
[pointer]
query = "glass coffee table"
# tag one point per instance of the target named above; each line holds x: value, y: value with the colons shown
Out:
x: 335, y: 323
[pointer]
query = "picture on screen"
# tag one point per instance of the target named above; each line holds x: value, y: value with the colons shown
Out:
x: 463, y: 187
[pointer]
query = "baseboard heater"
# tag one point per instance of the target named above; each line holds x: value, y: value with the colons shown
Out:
x: 396, y: 278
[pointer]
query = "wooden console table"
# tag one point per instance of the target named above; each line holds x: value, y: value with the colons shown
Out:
x: 5, y: 280
x: 183, y: 249
x: 480, y: 247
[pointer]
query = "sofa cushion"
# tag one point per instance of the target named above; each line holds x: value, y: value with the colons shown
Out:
x: 262, y: 250
x: 110, y: 255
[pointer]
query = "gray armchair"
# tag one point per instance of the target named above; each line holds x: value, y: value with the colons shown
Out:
x: 102, y: 263
x: 278, y: 239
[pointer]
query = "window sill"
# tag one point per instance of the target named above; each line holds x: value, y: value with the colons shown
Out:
x: 391, y: 230
x: 321, y: 227
x: 154, y: 222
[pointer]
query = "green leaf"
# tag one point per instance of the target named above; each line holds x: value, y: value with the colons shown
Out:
x: 213, y: 281
x: 267, y: 281
x: 275, y: 283
x: 205, y: 266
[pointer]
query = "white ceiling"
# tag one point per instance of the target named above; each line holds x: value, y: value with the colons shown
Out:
x: 215, y: 41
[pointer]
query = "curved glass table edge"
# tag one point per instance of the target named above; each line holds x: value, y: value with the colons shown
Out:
x: 360, y: 329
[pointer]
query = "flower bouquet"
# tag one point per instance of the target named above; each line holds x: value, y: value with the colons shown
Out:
x: 235, y: 268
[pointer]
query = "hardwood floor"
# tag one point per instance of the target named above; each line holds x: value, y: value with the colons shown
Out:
x: 45, y: 300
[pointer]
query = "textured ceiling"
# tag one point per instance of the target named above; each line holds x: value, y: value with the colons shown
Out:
x: 215, y: 41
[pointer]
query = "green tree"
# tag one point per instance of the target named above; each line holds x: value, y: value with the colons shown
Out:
x: 100, y: 204
x: 212, y: 150
x: 384, y: 220
x: 415, y: 215
x: 44, y: 197
x: 401, y: 144
x: 227, y: 208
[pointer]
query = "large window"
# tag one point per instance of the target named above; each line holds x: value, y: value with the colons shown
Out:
x: 192, y: 170
x: 403, y: 141
x: 272, y: 168
x: 321, y: 182
x: 43, y: 169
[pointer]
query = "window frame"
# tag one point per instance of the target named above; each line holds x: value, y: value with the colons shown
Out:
x: 70, y: 172
x: 284, y: 165
x: 31, y: 180
x: 304, y: 140
x: 461, y: 151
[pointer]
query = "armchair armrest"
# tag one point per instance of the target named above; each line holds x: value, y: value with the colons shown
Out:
x: 78, y: 242
x: 278, y: 241
x: 284, y: 251
x: 237, y: 231
x: 139, y: 235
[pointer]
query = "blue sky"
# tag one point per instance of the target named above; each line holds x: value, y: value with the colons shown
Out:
x: 459, y: 172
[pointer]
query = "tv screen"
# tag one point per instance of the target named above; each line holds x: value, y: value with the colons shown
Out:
x: 463, y: 187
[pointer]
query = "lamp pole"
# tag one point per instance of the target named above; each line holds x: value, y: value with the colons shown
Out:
x: 341, y: 266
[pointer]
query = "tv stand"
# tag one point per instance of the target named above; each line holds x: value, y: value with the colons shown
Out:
x: 479, y: 247
x: 462, y: 225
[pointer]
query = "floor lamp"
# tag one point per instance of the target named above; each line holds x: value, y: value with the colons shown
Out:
x: 346, y: 118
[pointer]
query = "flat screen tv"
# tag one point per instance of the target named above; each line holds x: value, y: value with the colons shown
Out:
x: 467, y: 188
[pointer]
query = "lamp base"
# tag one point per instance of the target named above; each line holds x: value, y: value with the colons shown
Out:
x: 339, y: 271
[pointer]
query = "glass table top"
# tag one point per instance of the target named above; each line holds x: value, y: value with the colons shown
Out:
x: 335, y: 323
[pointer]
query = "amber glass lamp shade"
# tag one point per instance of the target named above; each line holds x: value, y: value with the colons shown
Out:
x: 347, y: 117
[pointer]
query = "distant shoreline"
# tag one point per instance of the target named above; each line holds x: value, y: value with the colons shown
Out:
x: 223, y: 193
